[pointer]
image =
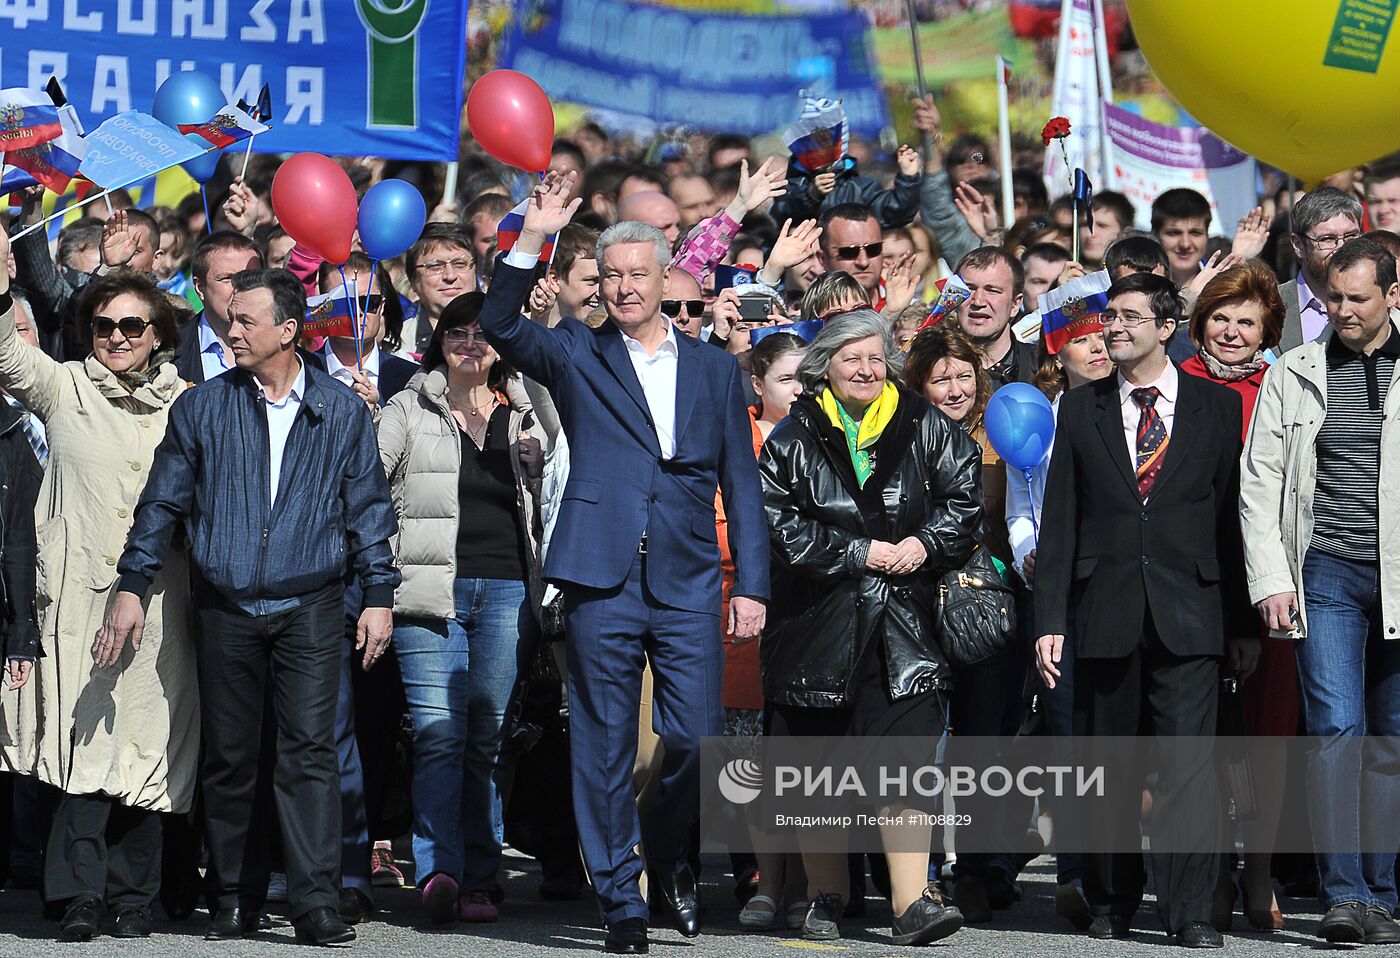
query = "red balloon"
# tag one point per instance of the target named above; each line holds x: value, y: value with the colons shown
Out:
x: 511, y: 118
x: 315, y: 202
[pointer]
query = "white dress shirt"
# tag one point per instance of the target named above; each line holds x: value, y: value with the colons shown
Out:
x: 211, y: 351
x: 1024, y: 501
x: 369, y: 361
x: 280, y: 416
x: 657, y: 372
x: 1166, y: 384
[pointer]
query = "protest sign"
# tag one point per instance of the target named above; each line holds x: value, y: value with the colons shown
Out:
x: 356, y: 77
x: 713, y: 71
x: 131, y: 146
x: 1150, y: 158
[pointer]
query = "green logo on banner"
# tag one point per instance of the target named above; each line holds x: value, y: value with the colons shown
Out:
x: 392, y: 26
x: 1359, y: 34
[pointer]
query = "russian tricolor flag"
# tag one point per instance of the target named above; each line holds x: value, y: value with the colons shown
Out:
x: 228, y: 126
x: 329, y: 314
x: 508, y: 231
x: 1073, y: 310
x: 820, y: 136
x: 54, y: 163
x: 27, y: 118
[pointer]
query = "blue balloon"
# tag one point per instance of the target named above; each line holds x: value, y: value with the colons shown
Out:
x: 189, y: 97
x: 1020, y: 424
x: 391, y: 218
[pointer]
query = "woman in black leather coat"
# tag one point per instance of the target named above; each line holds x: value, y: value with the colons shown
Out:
x: 870, y: 494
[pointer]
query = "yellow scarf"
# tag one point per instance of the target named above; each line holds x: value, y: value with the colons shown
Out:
x: 860, y: 437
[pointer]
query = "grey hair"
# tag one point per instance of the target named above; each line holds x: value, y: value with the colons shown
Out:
x: 1320, y: 205
x: 22, y: 300
x: 838, y: 331
x: 631, y: 231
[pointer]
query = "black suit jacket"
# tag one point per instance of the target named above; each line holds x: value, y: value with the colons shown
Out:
x: 1106, y: 560
x: 191, y: 367
x: 394, y: 374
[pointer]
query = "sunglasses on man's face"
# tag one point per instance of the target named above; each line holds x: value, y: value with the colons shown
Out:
x: 872, y: 250
x: 132, y: 327
x: 694, y: 308
x: 374, y: 303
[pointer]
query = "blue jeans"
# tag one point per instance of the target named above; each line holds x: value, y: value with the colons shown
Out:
x: 458, y: 677
x: 1350, y: 678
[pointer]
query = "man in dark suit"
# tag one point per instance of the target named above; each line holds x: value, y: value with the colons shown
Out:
x: 655, y: 423
x: 204, y: 352
x: 1141, y: 563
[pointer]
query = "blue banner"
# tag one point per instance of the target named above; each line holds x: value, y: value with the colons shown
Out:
x: 348, y: 77
x: 716, y: 71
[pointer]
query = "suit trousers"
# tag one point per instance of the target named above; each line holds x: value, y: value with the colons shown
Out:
x: 102, y: 848
x: 300, y: 651
x: 612, y: 634
x: 1156, y: 693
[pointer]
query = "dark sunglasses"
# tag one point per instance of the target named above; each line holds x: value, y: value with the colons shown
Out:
x: 132, y: 327
x: 851, y: 252
x: 694, y: 308
x: 373, y: 303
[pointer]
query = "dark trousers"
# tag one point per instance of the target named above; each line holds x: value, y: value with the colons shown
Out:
x: 1154, y: 692
x: 300, y: 650
x: 101, y: 848
x: 354, y: 828
x: 611, y: 634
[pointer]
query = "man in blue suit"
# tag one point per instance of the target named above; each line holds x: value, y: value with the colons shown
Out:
x: 655, y: 422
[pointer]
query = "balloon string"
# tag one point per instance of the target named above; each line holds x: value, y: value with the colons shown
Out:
x: 1035, y: 521
x: 369, y: 286
x: 208, y: 220
x: 354, y: 322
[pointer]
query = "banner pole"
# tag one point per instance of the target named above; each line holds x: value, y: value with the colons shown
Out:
x: 1105, y: 95
x: 1008, y: 200
x: 919, y: 84
x: 55, y: 215
x: 449, y: 185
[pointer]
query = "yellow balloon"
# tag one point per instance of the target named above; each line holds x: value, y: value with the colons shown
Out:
x: 1309, y: 86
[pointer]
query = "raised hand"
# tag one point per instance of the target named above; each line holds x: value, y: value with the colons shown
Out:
x: 764, y: 184
x: 928, y: 120
x: 119, y: 243
x: 793, y: 245
x: 542, y: 298
x: 443, y: 213
x: 725, y: 313
x: 824, y: 183
x: 1251, y: 234
x: 908, y: 160
x: 979, y: 211
x: 1217, y: 264
x: 900, y: 283
x: 241, y: 207
x: 549, y: 210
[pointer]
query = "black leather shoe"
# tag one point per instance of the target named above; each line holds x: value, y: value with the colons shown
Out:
x: 627, y: 937
x: 1380, y: 928
x: 1199, y: 934
x: 233, y: 922
x: 80, y: 920
x: 133, y: 923
x: 322, y: 926
x: 1110, y: 926
x: 180, y: 896
x: 355, y: 906
x: 1344, y: 923
x: 675, y: 895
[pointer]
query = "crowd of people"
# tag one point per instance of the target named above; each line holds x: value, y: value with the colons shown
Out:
x: 275, y: 602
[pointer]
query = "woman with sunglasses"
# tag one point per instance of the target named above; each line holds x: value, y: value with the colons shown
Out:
x: 119, y: 744
x: 465, y: 473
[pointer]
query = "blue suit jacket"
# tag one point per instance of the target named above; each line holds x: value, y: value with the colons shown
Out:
x: 619, y: 486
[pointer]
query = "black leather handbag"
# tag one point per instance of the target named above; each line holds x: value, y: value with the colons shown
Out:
x: 976, y: 612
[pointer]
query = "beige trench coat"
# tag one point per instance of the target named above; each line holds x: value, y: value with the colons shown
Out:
x: 130, y: 732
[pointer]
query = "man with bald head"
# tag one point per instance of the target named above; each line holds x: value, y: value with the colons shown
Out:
x: 654, y: 209
x: 682, y: 302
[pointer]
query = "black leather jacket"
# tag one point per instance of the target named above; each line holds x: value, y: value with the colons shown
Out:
x: 826, y: 605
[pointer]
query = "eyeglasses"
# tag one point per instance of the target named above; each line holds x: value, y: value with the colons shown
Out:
x: 872, y: 250
x: 1331, y: 242
x: 457, y: 336
x: 694, y: 308
x: 374, y: 303
x: 437, y: 267
x: 132, y: 327
x: 1126, y: 320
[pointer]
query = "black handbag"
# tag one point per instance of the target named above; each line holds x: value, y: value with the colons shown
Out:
x: 976, y: 612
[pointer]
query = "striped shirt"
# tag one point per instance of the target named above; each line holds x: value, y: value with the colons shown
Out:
x: 1346, y: 503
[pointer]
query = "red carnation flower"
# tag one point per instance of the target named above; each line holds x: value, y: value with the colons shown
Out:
x: 1056, y: 129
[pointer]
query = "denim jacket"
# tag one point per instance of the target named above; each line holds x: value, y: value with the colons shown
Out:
x: 333, y: 514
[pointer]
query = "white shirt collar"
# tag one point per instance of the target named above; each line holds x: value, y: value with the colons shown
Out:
x: 370, y: 361
x: 208, y: 340
x: 294, y: 396
x: 669, y: 343
x: 1166, y: 384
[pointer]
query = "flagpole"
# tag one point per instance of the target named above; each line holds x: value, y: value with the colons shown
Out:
x: 920, y: 87
x: 1008, y: 201
x: 1105, y: 95
x: 243, y: 174
x: 1057, y: 92
x: 53, y: 216
x: 449, y: 184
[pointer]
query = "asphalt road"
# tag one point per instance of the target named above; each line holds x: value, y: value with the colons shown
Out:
x: 529, y: 926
